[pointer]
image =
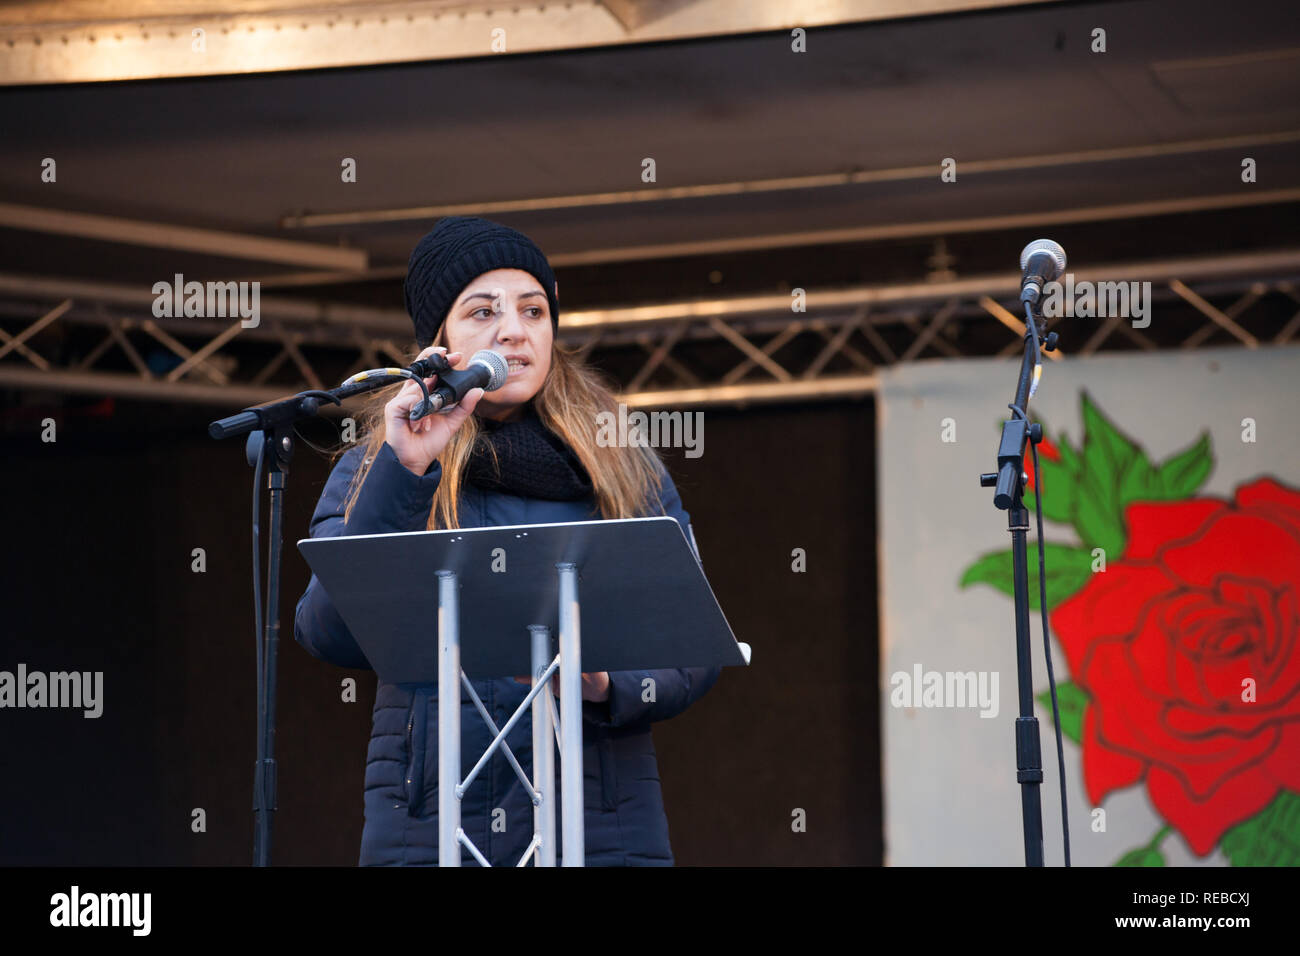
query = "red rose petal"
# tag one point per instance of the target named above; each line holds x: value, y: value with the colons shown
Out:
x: 1243, y: 720
x: 1110, y: 605
x: 1224, y: 675
x: 1105, y: 769
x: 1269, y: 496
x: 1203, y: 821
x: 1128, y: 715
x: 1284, y: 763
x: 1157, y: 647
x: 1246, y: 544
x: 1278, y: 661
x: 1152, y: 525
x: 1220, y: 755
x: 1131, y: 720
x: 1239, y: 645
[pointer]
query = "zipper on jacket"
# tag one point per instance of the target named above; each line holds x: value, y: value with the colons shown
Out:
x: 415, y: 739
x: 410, y: 754
x: 410, y: 724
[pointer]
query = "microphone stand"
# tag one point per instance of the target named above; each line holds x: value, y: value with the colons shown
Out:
x: 270, y: 447
x: 1009, y: 482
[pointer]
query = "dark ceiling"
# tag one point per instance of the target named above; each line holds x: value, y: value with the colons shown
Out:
x: 239, y: 153
x: 1184, y: 92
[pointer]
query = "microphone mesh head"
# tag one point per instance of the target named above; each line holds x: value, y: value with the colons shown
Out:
x: 1053, y: 249
x: 497, y: 366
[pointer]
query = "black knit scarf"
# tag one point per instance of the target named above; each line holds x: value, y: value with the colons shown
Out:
x: 532, y: 461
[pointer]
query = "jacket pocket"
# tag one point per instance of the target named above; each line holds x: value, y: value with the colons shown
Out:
x: 417, y: 728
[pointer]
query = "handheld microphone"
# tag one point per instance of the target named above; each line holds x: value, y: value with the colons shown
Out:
x: 1041, y: 262
x: 487, y: 370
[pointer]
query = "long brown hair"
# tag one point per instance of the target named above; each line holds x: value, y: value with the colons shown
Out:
x: 568, y: 403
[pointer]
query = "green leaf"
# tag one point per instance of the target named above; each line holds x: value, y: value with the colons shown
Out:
x: 1181, y: 475
x: 1113, y: 467
x: 1142, y: 856
x: 1072, y: 701
x: 1270, y: 838
x: 1111, y: 450
x: 1060, y: 485
x: 1098, y: 518
x: 1138, y: 482
x: 1178, y: 477
x: 1069, y: 457
x: 1068, y: 570
x: 1115, y: 472
x: 1148, y: 855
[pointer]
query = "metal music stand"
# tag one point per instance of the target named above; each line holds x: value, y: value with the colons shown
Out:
x: 500, y: 593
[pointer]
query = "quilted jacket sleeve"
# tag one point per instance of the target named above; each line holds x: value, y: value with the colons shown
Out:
x: 670, y: 691
x: 391, y: 499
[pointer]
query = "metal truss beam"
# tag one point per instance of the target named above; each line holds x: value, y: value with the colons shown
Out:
x: 833, y: 350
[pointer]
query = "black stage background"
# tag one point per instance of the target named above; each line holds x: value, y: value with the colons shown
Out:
x: 118, y: 503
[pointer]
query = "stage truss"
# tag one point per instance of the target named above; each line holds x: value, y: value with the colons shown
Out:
x: 704, y: 352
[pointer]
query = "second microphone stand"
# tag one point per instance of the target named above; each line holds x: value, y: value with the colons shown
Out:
x: 1009, y: 482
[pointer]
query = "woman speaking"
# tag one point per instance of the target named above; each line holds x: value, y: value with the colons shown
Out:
x: 524, y: 454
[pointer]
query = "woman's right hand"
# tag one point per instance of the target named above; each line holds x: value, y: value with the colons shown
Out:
x: 417, y: 444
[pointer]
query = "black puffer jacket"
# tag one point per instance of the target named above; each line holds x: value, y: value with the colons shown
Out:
x: 624, y: 814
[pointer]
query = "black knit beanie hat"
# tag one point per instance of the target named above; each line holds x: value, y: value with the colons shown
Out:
x: 455, y: 252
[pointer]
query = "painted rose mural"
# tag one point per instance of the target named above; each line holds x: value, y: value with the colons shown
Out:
x: 1179, y: 615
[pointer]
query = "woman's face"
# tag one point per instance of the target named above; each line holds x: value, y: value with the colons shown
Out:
x: 504, y: 311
